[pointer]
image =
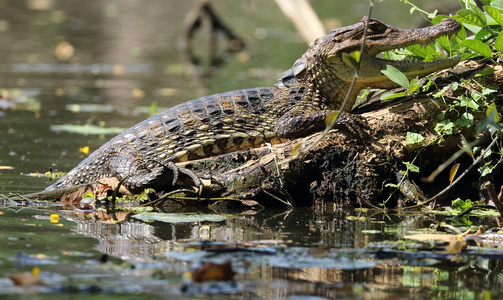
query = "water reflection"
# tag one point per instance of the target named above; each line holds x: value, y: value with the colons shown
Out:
x: 287, y: 253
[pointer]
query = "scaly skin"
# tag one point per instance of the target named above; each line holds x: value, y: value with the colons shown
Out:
x: 144, y: 155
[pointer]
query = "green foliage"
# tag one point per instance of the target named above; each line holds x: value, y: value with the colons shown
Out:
x: 484, y: 42
x: 88, y: 194
x: 462, y: 205
x: 396, y: 76
x: 399, y: 78
x: 411, y: 167
x: 413, y: 138
x: 352, y: 59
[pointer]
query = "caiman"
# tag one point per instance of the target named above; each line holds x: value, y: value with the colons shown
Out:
x: 316, y: 85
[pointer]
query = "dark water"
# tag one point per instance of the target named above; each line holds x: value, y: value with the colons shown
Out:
x: 106, y: 63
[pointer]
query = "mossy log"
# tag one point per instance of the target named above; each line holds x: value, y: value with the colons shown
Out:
x: 344, y: 168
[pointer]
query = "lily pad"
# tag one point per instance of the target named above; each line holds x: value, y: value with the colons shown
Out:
x: 180, y: 218
x: 87, y: 129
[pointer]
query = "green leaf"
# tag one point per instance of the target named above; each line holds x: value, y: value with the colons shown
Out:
x: 296, y: 149
x: 180, y: 218
x: 498, y: 43
x: 461, y: 205
x: 396, y: 76
x: 492, y: 113
x: 470, y: 17
x: 495, y: 14
x: 414, y: 85
x: 331, y: 118
x: 445, y: 127
x: 411, y: 167
x: 88, y: 194
x: 438, y: 19
x: 352, y: 59
x: 433, y: 14
x: 497, y: 4
x: 478, y: 47
x: 486, y: 169
x: 413, y: 138
x: 466, y: 120
x: 388, y: 96
x: 490, y: 90
x: 462, y: 33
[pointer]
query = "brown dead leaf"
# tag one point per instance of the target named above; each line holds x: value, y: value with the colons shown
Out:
x: 25, y: 279
x: 102, y: 216
x: 249, y: 212
x: 432, y: 236
x: 98, y: 189
x: 456, y: 246
x: 250, y: 203
x: 113, y: 183
x: 213, y: 271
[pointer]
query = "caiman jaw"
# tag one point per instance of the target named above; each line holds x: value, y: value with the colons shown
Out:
x: 394, y: 38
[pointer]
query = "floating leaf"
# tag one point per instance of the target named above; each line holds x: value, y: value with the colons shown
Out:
x: 213, y: 271
x: 180, y: 218
x: 431, y: 236
x: 86, y: 129
x: 478, y: 47
x: 452, y: 172
x: 462, y: 205
x: 54, y: 218
x: 396, y: 76
x: 64, y: 51
x: 84, y: 150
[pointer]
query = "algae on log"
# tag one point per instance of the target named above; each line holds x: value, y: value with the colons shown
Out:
x: 342, y: 168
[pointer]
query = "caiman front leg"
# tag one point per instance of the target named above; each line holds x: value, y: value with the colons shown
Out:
x: 295, y: 124
x: 138, y: 174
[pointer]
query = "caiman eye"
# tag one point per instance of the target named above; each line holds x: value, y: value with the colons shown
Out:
x: 375, y: 28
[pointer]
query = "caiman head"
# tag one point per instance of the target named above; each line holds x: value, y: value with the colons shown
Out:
x: 323, y: 67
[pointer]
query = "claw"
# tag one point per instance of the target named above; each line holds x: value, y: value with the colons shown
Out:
x: 355, y: 124
x: 175, y: 170
x: 176, y: 174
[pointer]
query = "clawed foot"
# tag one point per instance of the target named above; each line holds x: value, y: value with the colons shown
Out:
x: 354, y: 124
x: 181, y: 170
x: 162, y: 176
